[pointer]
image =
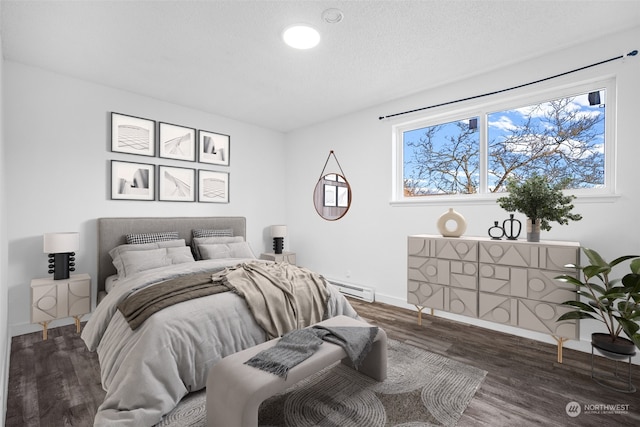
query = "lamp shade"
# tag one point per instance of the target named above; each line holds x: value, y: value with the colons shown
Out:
x: 278, y: 231
x: 56, y: 243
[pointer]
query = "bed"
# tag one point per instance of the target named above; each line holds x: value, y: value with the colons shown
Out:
x: 147, y: 371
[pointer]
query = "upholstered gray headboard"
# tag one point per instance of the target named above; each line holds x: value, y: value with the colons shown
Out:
x: 112, y: 231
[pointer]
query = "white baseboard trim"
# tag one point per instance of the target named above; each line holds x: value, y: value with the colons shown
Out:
x: 584, y: 345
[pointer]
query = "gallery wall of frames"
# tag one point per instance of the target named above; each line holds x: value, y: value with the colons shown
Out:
x: 133, y: 180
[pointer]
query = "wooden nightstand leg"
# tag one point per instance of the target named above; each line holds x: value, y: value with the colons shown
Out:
x: 44, y: 330
x: 77, y: 319
x: 560, y: 341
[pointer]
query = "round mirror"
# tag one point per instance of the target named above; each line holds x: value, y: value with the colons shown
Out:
x: 332, y: 196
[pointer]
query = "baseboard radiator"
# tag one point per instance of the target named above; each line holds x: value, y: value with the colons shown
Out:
x: 356, y: 291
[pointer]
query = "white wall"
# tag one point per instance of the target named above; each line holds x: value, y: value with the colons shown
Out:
x: 368, y: 246
x: 5, y: 339
x: 57, y: 152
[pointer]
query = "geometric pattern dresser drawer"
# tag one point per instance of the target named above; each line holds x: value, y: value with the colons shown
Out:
x: 509, y: 282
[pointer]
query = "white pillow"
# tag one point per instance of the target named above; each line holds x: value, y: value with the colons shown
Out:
x: 180, y: 255
x: 241, y: 250
x: 117, y: 252
x: 136, y: 261
x: 172, y: 243
x: 214, y: 251
x: 197, y: 241
x: 226, y: 250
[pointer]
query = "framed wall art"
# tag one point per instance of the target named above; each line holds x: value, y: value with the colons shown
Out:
x: 132, y: 181
x: 133, y: 135
x: 176, y: 184
x: 213, y: 187
x: 177, y: 142
x: 213, y: 148
x: 330, y: 195
x: 343, y: 197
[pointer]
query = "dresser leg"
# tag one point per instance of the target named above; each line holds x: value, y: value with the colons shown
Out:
x: 44, y: 330
x: 560, y: 341
x: 420, y: 308
x: 77, y: 319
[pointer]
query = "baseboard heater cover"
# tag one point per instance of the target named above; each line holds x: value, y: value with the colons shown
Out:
x: 356, y: 291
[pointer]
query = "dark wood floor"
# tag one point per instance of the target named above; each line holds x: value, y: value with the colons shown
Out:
x: 57, y: 382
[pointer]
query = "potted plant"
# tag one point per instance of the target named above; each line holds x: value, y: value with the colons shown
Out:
x: 540, y: 201
x: 614, y: 302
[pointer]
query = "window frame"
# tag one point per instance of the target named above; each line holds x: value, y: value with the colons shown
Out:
x: 482, y: 108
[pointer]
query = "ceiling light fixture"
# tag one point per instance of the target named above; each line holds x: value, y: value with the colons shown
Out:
x: 301, y: 36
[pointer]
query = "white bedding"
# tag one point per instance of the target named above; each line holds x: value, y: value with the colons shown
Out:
x: 147, y: 371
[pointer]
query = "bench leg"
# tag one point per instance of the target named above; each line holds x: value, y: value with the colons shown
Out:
x: 226, y: 406
x: 375, y: 363
x: 230, y: 416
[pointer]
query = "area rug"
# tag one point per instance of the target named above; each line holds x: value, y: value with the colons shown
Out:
x: 421, y: 389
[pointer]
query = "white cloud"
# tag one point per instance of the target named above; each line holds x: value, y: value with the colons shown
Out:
x: 503, y: 123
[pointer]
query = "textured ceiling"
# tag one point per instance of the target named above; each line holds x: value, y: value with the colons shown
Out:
x: 227, y: 57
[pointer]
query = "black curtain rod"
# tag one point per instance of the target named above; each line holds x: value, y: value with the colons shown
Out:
x: 632, y: 53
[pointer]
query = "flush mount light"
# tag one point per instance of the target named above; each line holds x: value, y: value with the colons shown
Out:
x: 301, y: 36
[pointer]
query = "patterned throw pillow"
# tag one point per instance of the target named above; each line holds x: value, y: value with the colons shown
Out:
x: 212, y: 233
x: 136, y: 239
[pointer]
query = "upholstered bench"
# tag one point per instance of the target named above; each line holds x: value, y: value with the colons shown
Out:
x: 235, y: 390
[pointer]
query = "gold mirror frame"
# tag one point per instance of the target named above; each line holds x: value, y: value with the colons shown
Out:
x: 332, y: 196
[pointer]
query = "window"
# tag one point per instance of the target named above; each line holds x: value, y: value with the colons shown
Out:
x: 560, y: 134
x: 336, y: 192
x: 442, y: 159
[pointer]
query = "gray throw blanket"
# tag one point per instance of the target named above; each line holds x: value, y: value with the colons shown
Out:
x: 137, y: 307
x: 298, y: 345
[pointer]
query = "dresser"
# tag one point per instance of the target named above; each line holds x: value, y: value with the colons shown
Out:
x: 510, y: 282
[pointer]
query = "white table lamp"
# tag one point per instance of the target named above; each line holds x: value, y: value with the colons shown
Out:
x: 278, y: 232
x: 61, y: 248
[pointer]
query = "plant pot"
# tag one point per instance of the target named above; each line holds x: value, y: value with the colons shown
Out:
x: 533, y: 230
x: 612, y: 348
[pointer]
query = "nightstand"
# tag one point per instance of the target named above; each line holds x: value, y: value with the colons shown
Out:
x: 56, y: 299
x: 289, y: 257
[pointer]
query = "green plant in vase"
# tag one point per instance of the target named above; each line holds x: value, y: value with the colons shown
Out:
x: 541, y: 202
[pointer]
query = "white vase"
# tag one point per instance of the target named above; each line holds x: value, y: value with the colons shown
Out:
x: 451, y: 215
